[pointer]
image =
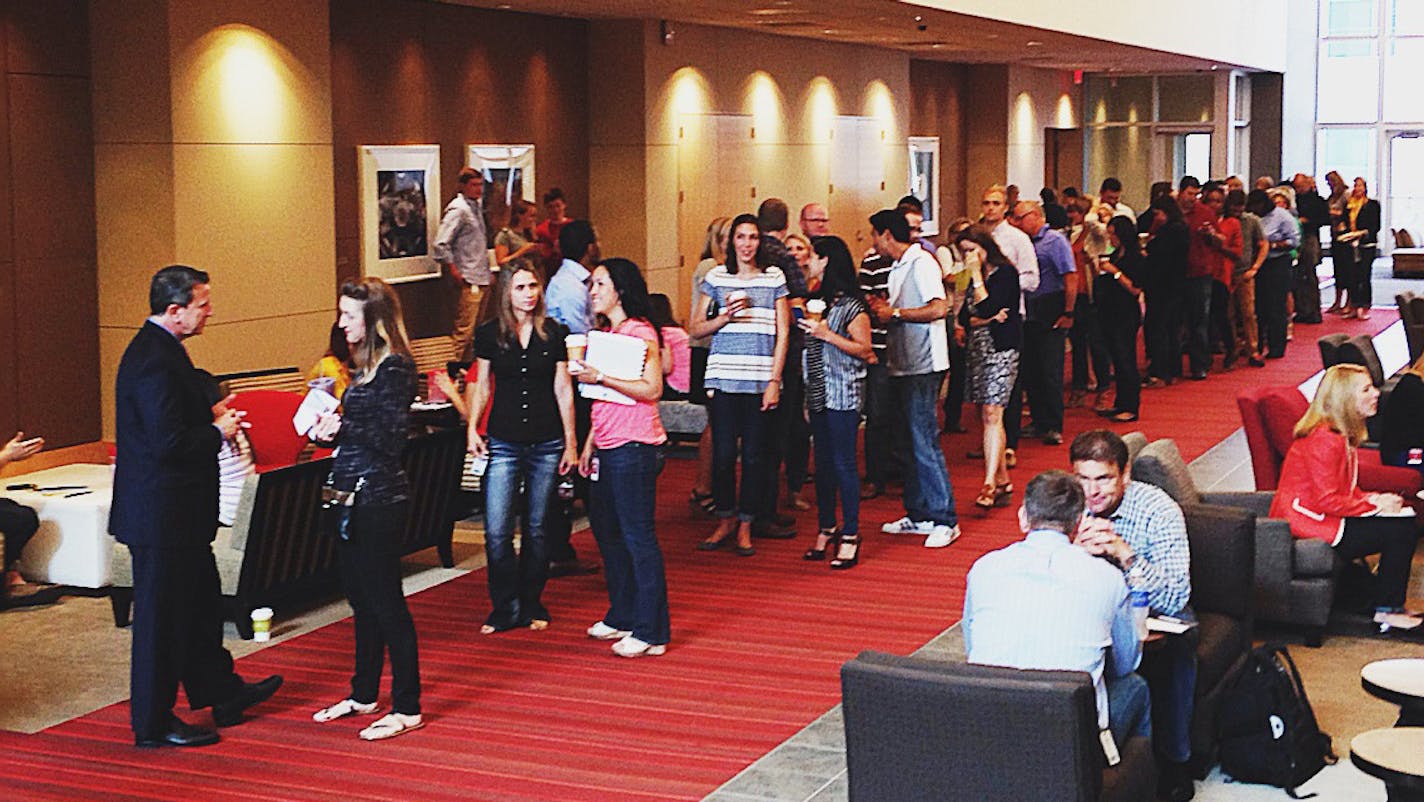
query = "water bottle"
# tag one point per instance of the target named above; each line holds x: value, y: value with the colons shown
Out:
x: 1139, y: 612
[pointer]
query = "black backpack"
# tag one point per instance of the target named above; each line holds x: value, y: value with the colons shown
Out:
x: 1268, y: 730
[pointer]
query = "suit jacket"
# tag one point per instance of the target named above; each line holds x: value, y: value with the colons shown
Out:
x: 166, y: 474
x: 1368, y: 221
x: 1319, y: 486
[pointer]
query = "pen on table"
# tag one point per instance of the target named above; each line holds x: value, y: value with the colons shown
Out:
x: 80, y: 493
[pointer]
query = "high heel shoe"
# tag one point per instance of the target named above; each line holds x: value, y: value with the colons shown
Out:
x: 818, y: 552
x: 702, y: 501
x: 841, y: 562
x: 1003, y: 494
x: 985, y: 499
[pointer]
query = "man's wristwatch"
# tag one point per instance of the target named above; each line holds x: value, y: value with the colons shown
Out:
x: 895, y: 313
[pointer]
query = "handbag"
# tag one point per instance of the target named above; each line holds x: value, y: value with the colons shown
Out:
x: 334, y: 514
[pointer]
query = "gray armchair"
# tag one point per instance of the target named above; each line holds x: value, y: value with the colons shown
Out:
x: 1295, y: 578
x: 926, y: 729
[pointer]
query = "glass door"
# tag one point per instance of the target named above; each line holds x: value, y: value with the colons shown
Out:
x: 1404, y: 195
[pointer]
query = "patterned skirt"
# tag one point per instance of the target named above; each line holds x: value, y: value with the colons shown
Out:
x: 991, y: 373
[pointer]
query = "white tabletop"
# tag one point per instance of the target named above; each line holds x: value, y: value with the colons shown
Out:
x: 1397, y: 749
x: 72, y: 546
x: 1403, y: 675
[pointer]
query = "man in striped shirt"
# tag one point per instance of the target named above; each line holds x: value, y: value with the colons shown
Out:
x: 881, y: 419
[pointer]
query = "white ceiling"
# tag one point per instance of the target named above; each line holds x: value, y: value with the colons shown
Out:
x: 946, y: 35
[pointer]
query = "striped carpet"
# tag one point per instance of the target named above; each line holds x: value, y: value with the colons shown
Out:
x: 554, y: 716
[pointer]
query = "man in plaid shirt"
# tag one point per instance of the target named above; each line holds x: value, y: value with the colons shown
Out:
x: 1140, y: 529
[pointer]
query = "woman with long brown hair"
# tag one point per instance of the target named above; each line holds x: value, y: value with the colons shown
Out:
x: 531, y: 440
x: 369, y: 483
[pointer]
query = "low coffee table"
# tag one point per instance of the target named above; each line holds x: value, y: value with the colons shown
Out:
x: 72, y: 546
x: 1395, y: 755
x: 1401, y: 682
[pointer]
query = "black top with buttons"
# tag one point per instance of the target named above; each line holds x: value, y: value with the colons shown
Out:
x: 524, y: 409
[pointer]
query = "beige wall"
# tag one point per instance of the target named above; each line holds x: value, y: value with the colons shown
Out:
x: 653, y: 192
x: 1037, y: 99
x: 213, y: 148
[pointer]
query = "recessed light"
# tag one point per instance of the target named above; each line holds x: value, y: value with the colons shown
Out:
x: 504, y: 6
x: 1033, y: 43
x: 829, y: 31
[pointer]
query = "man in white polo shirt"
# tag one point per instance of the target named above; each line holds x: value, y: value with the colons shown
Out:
x: 916, y: 357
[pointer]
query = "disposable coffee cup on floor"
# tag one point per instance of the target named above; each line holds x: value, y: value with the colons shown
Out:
x: 577, y: 346
x: 262, y: 624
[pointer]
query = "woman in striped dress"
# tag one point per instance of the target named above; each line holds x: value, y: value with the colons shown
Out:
x: 837, y: 326
x: 743, y: 306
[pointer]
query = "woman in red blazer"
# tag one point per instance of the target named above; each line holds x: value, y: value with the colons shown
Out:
x: 1321, y: 498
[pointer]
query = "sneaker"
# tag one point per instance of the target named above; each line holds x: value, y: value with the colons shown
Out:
x: 905, y: 526
x: 942, y: 536
x: 602, y: 631
x: 632, y: 647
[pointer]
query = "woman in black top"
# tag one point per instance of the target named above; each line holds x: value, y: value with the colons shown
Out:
x: 1164, y: 282
x: 531, y: 440
x: 994, y: 331
x: 1359, y: 230
x: 370, y: 437
x: 1116, y: 292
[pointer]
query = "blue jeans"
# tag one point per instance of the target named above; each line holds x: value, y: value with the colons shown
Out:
x: 1198, y: 306
x: 1171, y: 674
x: 516, y: 584
x: 928, y: 494
x: 738, y: 417
x: 834, y: 433
x: 621, y: 507
x: 1129, y: 708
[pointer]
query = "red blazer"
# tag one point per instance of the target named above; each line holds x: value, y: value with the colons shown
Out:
x: 1319, y: 486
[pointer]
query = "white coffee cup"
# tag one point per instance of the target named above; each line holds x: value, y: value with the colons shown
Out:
x: 262, y: 624
x: 577, y: 346
x: 736, y: 301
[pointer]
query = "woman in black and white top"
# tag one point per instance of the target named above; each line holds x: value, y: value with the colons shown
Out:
x: 370, y: 437
x: 837, y: 323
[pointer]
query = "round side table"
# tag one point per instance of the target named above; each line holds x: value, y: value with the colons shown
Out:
x: 1401, y: 682
x: 1395, y: 755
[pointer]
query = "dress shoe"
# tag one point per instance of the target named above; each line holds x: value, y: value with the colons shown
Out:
x: 572, y: 568
x: 1256, y: 362
x: 179, y: 733
x: 1197, y: 375
x: 1053, y: 438
x: 1174, y: 782
x: 229, y: 713
x: 870, y: 490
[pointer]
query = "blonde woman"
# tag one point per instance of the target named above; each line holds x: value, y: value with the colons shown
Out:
x: 1319, y: 496
x: 370, y: 433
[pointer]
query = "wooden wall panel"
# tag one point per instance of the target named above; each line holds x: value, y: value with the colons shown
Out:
x: 52, y: 137
x: 409, y: 72
x: 937, y: 108
x: 57, y: 348
x: 9, y: 398
x: 48, y: 38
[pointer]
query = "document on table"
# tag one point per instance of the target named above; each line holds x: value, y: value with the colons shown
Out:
x: 317, y: 403
x: 615, y: 355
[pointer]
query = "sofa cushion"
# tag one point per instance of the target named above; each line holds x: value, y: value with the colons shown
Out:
x: 229, y: 563
x: 1160, y: 463
x: 1222, y: 641
x: 1313, y: 557
x: 1281, y: 408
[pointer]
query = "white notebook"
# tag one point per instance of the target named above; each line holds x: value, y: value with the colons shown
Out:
x: 615, y: 355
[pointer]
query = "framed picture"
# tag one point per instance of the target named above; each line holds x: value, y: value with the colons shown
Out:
x: 924, y: 179
x: 400, y: 211
x: 508, y: 172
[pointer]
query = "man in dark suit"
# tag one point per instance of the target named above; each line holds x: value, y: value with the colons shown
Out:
x: 165, y: 510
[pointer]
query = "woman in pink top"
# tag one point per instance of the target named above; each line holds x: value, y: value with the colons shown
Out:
x: 622, y: 458
x: 676, y: 349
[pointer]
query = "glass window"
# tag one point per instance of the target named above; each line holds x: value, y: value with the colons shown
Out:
x: 1242, y: 84
x: 1185, y: 98
x: 1406, y: 18
x: 1120, y: 152
x: 1403, y: 102
x: 1243, y: 151
x: 1349, y: 82
x: 1350, y: 17
x: 1120, y: 100
x: 1194, y: 152
x: 1351, y: 151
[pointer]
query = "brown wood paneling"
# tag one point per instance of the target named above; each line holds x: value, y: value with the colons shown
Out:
x: 57, y: 348
x: 408, y: 72
x: 53, y: 184
x: 937, y: 108
x: 49, y: 37
x: 9, y: 386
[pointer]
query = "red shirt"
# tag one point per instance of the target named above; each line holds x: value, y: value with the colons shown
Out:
x: 546, y: 235
x: 1201, y: 259
x: 1230, y: 230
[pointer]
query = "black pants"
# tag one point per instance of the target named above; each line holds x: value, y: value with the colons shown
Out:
x: 738, y: 424
x: 1393, y: 539
x: 1090, y: 348
x: 1042, y: 361
x: 788, y: 438
x: 1362, y: 293
x: 1120, y: 335
x: 177, y: 636
x: 18, y: 523
x: 558, y: 521
x: 371, y: 577
x: 1272, y: 288
x: 958, y: 381
x: 1164, y: 335
x: 884, y: 428
x: 1222, y: 332
x: 1342, y: 265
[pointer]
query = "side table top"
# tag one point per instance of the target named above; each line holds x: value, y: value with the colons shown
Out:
x: 1399, y: 680
x: 1394, y: 754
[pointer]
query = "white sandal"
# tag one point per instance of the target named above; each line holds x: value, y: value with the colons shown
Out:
x: 344, y: 708
x: 391, y: 725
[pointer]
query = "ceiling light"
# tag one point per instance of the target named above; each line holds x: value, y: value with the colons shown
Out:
x: 1033, y: 43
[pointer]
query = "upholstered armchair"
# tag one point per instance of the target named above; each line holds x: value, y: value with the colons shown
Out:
x: 927, y: 729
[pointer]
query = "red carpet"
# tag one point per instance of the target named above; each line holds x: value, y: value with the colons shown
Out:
x: 554, y: 716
